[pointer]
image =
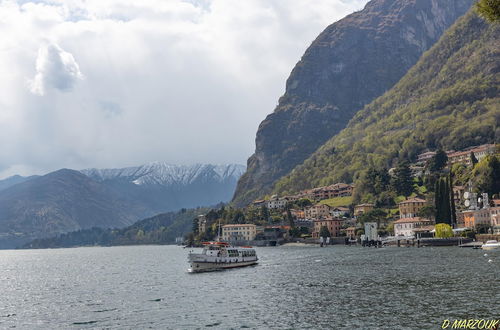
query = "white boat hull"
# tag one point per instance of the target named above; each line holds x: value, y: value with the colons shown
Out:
x: 202, y: 266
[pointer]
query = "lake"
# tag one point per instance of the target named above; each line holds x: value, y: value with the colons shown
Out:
x: 338, y: 287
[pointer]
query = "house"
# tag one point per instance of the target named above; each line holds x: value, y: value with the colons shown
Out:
x: 298, y: 214
x: 473, y: 218
x: 259, y: 202
x: 202, y: 223
x: 333, y: 225
x: 363, y: 208
x: 424, y: 157
x: 458, y: 193
x: 495, y: 219
x: 406, y: 226
x: 351, y: 232
x: 239, y: 232
x: 410, y: 207
x: 317, y: 211
x: 277, y: 203
x: 464, y: 156
x: 339, y: 212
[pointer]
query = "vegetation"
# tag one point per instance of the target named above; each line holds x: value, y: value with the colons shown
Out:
x: 338, y: 201
x: 443, y: 230
x: 449, y: 100
x: 160, y: 229
x: 489, y: 9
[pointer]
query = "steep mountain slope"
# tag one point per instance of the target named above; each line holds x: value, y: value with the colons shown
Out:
x: 351, y: 63
x: 58, y: 202
x: 163, y: 187
x: 160, y: 229
x: 13, y: 180
x: 449, y: 99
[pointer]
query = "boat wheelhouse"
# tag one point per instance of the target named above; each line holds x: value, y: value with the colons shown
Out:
x: 221, y: 255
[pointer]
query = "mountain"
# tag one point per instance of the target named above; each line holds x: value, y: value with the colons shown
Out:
x: 163, y: 187
x: 161, y: 229
x: 449, y: 99
x: 58, y: 202
x: 350, y: 63
x: 13, y: 180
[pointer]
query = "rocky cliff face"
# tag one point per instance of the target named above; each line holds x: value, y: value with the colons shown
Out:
x: 352, y: 62
x: 450, y: 100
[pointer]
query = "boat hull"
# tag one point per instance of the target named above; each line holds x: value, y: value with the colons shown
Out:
x: 202, y: 266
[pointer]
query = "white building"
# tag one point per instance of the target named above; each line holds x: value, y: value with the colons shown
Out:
x: 406, y: 226
x: 239, y: 232
x: 277, y: 203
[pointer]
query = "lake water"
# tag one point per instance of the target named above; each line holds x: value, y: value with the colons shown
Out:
x: 338, y: 287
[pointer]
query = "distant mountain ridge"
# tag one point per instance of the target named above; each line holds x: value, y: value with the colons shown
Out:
x: 59, y: 202
x: 159, y: 173
x: 350, y: 63
x: 68, y: 200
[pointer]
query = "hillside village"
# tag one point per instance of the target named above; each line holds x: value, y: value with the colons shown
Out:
x: 339, y: 211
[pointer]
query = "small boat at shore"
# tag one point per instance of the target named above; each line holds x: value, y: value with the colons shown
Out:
x: 221, y: 255
x: 490, y: 245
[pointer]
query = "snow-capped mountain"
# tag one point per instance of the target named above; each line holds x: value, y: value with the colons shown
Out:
x: 165, y: 187
x: 159, y: 173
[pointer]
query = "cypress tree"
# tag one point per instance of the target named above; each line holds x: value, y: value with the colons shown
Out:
x: 437, y: 201
x: 446, y: 200
x: 453, y: 211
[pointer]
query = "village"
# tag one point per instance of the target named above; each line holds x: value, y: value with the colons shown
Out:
x: 328, y: 214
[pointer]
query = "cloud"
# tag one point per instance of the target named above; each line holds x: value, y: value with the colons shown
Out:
x: 181, y: 81
x: 55, y: 68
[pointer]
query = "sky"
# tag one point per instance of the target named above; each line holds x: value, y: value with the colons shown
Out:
x: 116, y: 83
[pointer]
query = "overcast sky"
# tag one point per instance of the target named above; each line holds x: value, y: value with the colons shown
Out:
x: 115, y: 83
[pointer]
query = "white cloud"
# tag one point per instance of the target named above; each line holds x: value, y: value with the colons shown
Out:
x: 181, y: 81
x: 54, y: 68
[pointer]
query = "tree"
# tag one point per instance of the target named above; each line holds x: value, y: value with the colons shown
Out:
x: 402, y: 182
x: 376, y: 215
x: 453, y: 211
x: 438, y: 162
x: 289, y: 217
x: 443, y: 230
x: 473, y: 159
x: 442, y: 201
x: 427, y: 212
x: 489, y: 10
x: 486, y: 175
x: 195, y: 227
x: 264, y: 212
x: 324, y: 232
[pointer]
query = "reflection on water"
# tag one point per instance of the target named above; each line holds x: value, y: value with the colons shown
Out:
x: 291, y: 288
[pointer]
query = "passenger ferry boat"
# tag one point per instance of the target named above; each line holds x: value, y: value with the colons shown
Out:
x: 221, y: 255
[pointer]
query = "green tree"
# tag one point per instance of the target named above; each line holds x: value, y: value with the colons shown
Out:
x: 375, y: 215
x: 427, y: 212
x: 473, y: 159
x: 324, y: 232
x: 489, y: 10
x: 486, y: 175
x: 443, y: 230
x: 438, y: 162
x: 402, y: 182
x: 195, y: 227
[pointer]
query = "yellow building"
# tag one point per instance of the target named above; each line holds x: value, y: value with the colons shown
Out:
x: 239, y: 232
x: 410, y: 207
x: 362, y: 208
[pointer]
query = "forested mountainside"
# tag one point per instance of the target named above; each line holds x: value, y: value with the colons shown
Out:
x: 450, y: 99
x: 161, y: 229
x: 59, y: 202
x: 351, y: 62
